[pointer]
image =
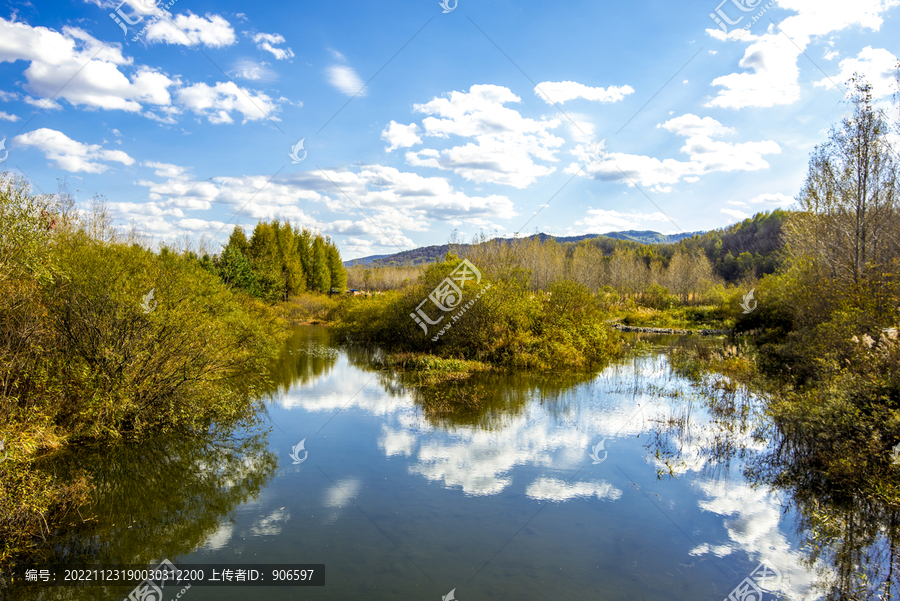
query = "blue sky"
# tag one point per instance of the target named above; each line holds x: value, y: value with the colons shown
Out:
x: 498, y: 116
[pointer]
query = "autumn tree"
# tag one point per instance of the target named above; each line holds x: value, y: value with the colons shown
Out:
x: 849, y: 219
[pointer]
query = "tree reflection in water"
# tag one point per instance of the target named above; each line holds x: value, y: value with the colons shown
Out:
x: 846, y: 508
x: 159, y: 499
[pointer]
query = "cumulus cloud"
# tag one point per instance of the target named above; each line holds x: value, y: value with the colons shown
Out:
x: 770, y: 62
x: 601, y: 221
x: 218, y: 101
x: 400, y: 136
x: 505, y: 143
x: 878, y: 65
x: 53, y: 57
x: 563, y: 91
x: 70, y: 154
x: 691, y: 125
x: 7, y: 117
x: 772, y: 198
x: 268, y: 41
x: 394, y: 200
x: 554, y: 489
x: 212, y: 31
x: 735, y: 213
x: 168, y: 170
x: 705, y: 156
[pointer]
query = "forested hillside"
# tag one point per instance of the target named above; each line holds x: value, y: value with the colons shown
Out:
x: 436, y: 253
x: 749, y: 248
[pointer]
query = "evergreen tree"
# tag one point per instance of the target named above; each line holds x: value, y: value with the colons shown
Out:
x: 304, y: 239
x: 321, y: 278
x: 291, y: 267
x: 336, y: 270
x: 264, y: 258
x: 238, y: 240
x: 234, y: 269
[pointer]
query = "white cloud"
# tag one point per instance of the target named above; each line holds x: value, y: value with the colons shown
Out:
x: 346, y: 81
x: 705, y: 156
x: 253, y: 71
x: 168, y: 170
x: 735, y: 213
x: 218, y: 539
x: 554, y: 489
x: 188, y: 29
x: 400, y: 136
x: 7, y: 117
x: 598, y: 221
x: 45, y: 104
x: 563, y: 91
x: 689, y: 125
x: 217, y: 102
x: 770, y: 62
x: 772, y: 198
x: 53, y: 57
x: 877, y: 64
x: 69, y: 154
x: 339, y: 495
x: 267, y: 42
x: 506, y: 143
x: 395, y: 200
x: 396, y: 442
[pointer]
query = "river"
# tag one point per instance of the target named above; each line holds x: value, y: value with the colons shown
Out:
x: 515, y: 498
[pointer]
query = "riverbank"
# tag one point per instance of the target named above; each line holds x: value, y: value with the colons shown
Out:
x: 102, y: 342
x: 678, y: 331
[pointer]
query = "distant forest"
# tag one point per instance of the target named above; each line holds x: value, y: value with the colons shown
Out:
x: 744, y: 250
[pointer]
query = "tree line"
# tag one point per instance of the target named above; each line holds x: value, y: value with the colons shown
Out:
x: 695, y: 269
x: 279, y: 261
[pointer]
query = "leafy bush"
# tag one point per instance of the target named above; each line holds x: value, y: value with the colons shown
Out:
x: 507, y: 326
x: 311, y: 307
x: 658, y: 297
x: 88, y: 353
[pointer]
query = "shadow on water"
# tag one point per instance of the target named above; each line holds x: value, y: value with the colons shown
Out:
x: 159, y: 499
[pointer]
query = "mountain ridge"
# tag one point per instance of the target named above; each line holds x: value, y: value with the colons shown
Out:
x: 429, y: 254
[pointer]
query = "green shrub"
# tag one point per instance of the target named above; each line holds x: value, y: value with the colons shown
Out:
x: 508, y: 325
x: 87, y: 353
x: 658, y: 297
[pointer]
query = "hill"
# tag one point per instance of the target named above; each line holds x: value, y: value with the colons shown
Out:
x: 429, y: 254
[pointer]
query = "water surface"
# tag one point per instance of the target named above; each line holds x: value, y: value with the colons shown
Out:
x: 505, y: 501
